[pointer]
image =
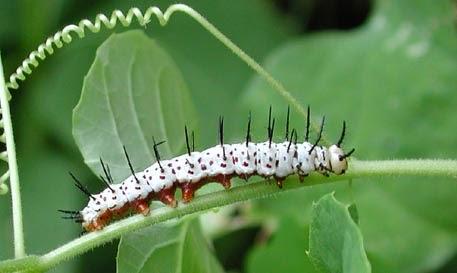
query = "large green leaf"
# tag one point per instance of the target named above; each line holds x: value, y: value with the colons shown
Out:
x: 393, y: 81
x: 291, y: 241
x: 132, y: 93
x: 335, y: 241
x: 168, y: 247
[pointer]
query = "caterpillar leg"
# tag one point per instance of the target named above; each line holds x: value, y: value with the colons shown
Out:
x: 167, y: 196
x: 187, y: 193
x: 244, y: 176
x: 224, y: 180
x: 301, y: 177
x: 279, y: 181
x: 141, y: 206
x: 188, y: 190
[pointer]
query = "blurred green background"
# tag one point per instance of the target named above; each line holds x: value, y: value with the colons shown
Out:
x: 387, y: 67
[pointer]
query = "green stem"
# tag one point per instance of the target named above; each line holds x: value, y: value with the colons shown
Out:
x: 238, y: 52
x: 19, y: 249
x: 358, y: 169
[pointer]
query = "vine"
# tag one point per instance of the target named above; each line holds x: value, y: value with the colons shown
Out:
x: 12, y: 173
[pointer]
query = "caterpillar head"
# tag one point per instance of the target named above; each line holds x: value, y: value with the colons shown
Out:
x: 338, y: 159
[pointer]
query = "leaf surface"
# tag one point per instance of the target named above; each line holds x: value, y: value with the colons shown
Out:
x: 335, y: 240
x: 177, y: 248
x: 132, y: 93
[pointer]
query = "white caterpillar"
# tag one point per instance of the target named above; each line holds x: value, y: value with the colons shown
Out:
x: 219, y: 164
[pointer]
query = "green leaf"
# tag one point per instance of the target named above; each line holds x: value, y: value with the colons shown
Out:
x: 132, y: 93
x: 167, y: 248
x: 391, y: 80
x: 354, y: 213
x: 290, y: 239
x: 335, y: 241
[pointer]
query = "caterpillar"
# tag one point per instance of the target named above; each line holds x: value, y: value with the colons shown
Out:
x: 220, y: 164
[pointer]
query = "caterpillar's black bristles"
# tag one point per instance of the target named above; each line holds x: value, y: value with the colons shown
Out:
x: 343, y: 132
x: 68, y: 211
x: 81, y: 187
x: 187, y: 140
x: 156, y: 152
x: 79, y: 221
x: 109, y: 174
x: 269, y: 123
x: 270, y: 137
x: 346, y: 155
x: 295, y: 137
x: 109, y: 179
x: 106, y: 183
x: 72, y: 217
x: 319, y: 136
x: 308, y: 117
x: 248, y: 131
x: 287, y: 123
x: 291, y: 137
x: 193, y: 141
x: 130, y: 165
x: 221, y: 135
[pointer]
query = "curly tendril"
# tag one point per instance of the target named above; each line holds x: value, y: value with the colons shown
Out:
x: 64, y: 37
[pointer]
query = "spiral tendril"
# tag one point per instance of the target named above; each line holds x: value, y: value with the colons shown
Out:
x: 64, y: 36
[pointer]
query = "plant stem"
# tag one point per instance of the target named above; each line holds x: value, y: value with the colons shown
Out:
x: 358, y: 169
x: 238, y: 52
x: 19, y: 249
